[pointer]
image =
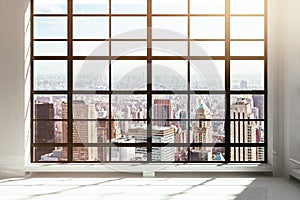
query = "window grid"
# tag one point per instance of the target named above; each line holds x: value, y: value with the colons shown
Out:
x: 149, y: 58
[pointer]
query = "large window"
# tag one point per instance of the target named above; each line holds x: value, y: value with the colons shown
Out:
x: 149, y: 81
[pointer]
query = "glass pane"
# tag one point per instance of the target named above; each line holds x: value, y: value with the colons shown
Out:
x: 50, y: 28
x: 169, y: 154
x: 168, y: 107
x: 169, y: 48
x: 90, y: 154
x: 207, y: 74
x: 247, y: 6
x: 90, y: 6
x: 90, y: 48
x: 169, y: 75
x: 93, y: 131
x: 207, y: 107
x: 129, y: 48
x: 175, y: 132
x: 129, y: 7
x: 247, y: 27
x: 50, y: 75
x: 50, y: 107
x: 207, y: 27
x: 207, y: 7
x: 208, y: 48
x: 50, y: 7
x: 169, y: 27
x: 207, y: 131
x: 129, y: 27
x: 90, y: 27
x: 203, y: 154
x: 90, y: 74
x: 129, y: 106
x: 247, y: 48
x: 129, y: 75
x: 123, y: 153
x: 50, y: 48
x: 50, y: 154
x: 247, y: 106
x: 169, y: 7
x: 90, y: 106
x: 247, y: 75
x: 50, y: 132
x: 245, y: 131
x: 247, y: 154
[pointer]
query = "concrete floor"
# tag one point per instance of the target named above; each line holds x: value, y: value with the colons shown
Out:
x: 218, y: 187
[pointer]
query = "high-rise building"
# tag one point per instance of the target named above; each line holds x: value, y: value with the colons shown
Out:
x: 243, y: 131
x: 202, y: 133
x: 123, y: 153
x: 80, y: 130
x: 44, y: 131
x: 159, y: 135
x: 162, y: 109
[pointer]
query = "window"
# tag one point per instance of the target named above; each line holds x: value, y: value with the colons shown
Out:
x: 149, y: 81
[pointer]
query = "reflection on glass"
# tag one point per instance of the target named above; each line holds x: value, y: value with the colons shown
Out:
x: 90, y: 27
x: 207, y: 107
x: 169, y: 48
x: 45, y: 48
x: 169, y: 7
x: 129, y: 75
x: 168, y: 107
x: 50, y: 27
x: 129, y: 27
x: 129, y: 48
x: 204, y: 154
x: 90, y: 106
x: 247, y: 6
x: 207, y: 27
x: 50, y: 106
x: 247, y: 27
x: 247, y: 74
x: 169, y: 27
x: 50, y: 154
x: 50, y: 75
x: 207, y: 7
x: 208, y: 48
x: 50, y: 7
x: 253, y: 48
x: 255, y: 154
x: 90, y: 6
x: 207, y: 74
x: 247, y: 106
x: 205, y: 131
x: 129, y: 106
x: 90, y: 74
x: 129, y: 7
x: 90, y: 48
x: 50, y: 132
x: 169, y: 75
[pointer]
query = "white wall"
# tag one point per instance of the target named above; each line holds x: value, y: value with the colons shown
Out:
x: 12, y: 87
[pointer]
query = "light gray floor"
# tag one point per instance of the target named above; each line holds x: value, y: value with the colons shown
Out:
x: 208, y: 187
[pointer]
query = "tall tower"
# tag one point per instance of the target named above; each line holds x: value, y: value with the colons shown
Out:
x: 80, y: 130
x: 92, y: 132
x: 44, y: 130
x: 243, y: 131
x: 202, y: 133
x: 162, y: 109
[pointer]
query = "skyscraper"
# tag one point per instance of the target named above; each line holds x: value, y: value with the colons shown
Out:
x: 44, y: 130
x: 202, y: 133
x: 243, y: 131
x: 162, y: 109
